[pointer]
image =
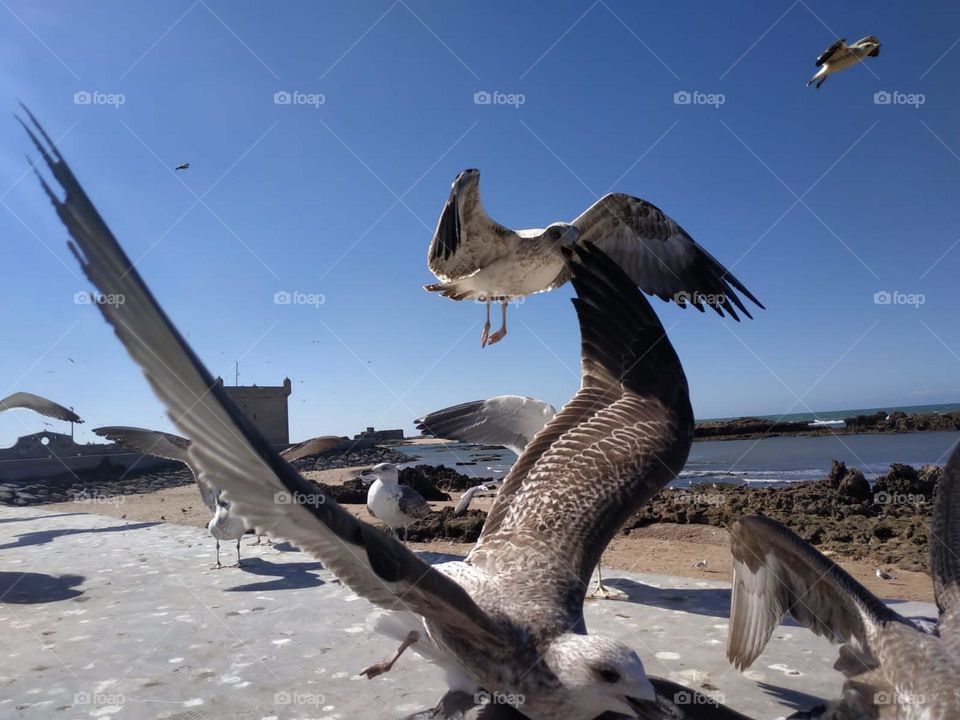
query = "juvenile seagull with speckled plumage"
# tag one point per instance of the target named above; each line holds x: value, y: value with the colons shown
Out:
x: 508, y: 618
x: 475, y: 258
x: 896, y: 667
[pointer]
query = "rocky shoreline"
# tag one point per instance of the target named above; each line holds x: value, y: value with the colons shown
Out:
x: 886, y: 523
x: 843, y: 515
x: 108, y: 483
x: 880, y: 422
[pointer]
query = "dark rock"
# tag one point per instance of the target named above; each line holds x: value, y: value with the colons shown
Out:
x: 855, y: 486
x: 838, y: 470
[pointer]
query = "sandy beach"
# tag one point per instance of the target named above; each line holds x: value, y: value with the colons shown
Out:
x: 660, y: 548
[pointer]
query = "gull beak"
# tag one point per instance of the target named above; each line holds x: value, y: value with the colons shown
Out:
x: 643, y: 701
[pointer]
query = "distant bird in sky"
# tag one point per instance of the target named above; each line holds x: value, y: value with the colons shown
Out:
x: 475, y: 258
x: 840, y: 56
x: 399, y: 506
x: 183, y: 166
x: 29, y: 401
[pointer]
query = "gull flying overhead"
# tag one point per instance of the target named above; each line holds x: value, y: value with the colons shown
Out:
x: 840, y: 56
x: 475, y: 258
x: 182, y: 166
x: 29, y: 401
x: 390, y: 502
x: 509, y: 618
x: 895, y: 667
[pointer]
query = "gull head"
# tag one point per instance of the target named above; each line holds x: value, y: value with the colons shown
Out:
x: 600, y: 674
x: 561, y: 233
x: 387, y: 473
x: 869, y: 45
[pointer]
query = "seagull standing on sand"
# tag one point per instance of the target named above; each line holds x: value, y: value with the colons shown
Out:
x: 508, y: 618
x: 399, y: 506
x: 29, y: 401
x: 840, y: 56
x: 895, y: 666
x: 222, y: 525
x: 883, y: 574
x: 475, y: 258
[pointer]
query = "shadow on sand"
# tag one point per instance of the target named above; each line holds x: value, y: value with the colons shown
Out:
x: 714, y: 602
x: 37, y: 517
x: 289, y: 576
x: 28, y: 588
x: 40, y: 537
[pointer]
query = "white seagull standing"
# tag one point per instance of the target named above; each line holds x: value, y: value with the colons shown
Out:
x: 29, y: 401
x: 223, y: 525
x: 896, y: 667
x: 508, y: 618
x: 475, y: 258
x: 840, y: 56
x: 399, y: 506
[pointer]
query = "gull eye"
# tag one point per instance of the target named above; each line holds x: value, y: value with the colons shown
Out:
x: 607, y: 675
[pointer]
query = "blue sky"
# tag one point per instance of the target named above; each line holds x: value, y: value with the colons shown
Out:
x: 817, y: 200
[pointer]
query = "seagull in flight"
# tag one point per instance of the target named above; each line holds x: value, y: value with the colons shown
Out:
x: 896, y: 667
x: 509, y: 617
x: 840, y: 56
x: 182, y: 166
x: 475, y: 258
x: 508, y: 420
x: 48, y: 408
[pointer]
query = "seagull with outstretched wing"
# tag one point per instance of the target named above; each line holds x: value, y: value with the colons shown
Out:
x: 895, y: 666
x: 509, y: 618
x: 841, y: 56
x: 475, y: 258
x: 222, y: 525
x: 507, y: 420
x: 29, y: 401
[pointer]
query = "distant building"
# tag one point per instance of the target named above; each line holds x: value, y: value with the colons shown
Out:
x: 371, y: 434
x: 49, y: 454
x: 265, y: 407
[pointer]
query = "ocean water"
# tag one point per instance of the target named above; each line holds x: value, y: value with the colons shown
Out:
x: 841, y: 414
x: 763, y: 462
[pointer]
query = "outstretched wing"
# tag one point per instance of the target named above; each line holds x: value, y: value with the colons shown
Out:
x: 29, y: 401
x: 148, y: 442
x: 659, y: 255
x: 229, y: 451
x: 623, y: 436
x: 161, y: 444
x: 776, y: 572
x: 507, y: 420
x: 466, y: 239
x: 827, y: 54
x: 945, y: 546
